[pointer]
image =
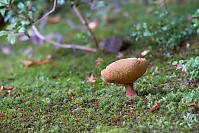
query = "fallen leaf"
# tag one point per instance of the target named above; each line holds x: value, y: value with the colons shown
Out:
x: 91, y: 78
x: 54, y: 19
x: 149, y: 9
x: 98, y: 61
x: 192, y: 105
x: 172, y: 89
x: 27, y: 63
x: 10, y: 88
x: 36, y: 63
x: 134, y: 106
x: 3, y: 88
x: 161, y: 85
x: 120, y: 55
x: 190, y: 86
x: 52, y: 67
x: 92, y: 25
x: 157, y: 105
x: 178, y: 66
x: 144, y: 53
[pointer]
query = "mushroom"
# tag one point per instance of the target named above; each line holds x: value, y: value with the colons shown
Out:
x: 125, y: 71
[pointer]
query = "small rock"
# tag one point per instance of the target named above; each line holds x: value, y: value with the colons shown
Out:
x: 113, y: 44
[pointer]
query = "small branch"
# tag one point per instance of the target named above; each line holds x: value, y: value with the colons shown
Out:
x: 67, y: 46
x: 84, y: 22
x: 42, y: 37
x: 48, y: 13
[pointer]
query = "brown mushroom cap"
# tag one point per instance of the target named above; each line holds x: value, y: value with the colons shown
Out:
x: 125, y: 71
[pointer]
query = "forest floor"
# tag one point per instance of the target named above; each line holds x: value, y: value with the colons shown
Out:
x: 58, y: 97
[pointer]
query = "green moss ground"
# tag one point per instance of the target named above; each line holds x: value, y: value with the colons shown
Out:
x: 62, y: 99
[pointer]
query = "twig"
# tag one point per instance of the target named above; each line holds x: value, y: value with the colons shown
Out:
x: 67, y: 46
x: 84, y: 22
x: 48, y: 13
x: 61, y: 45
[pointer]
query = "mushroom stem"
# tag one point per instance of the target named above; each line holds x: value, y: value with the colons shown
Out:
x: 129, y: 90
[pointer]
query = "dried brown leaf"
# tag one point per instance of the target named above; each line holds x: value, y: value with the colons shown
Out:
x: 98, y: 61
x: 157, y: 105
x: 36, y: 63
x: 54, y: 19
